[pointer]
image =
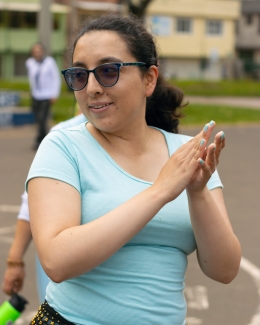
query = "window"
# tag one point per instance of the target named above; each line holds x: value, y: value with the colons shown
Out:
x: 214, y: 27
x: 20, y: 19
x: 161, y: 25
x: 2, y: 18
x: 249, y: 19
x: 56, y: 21
x: 1, y: 72
x: 19, y: 65
x: 183, y: 25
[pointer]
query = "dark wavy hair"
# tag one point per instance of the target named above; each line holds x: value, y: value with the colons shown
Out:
x: 163, y: 107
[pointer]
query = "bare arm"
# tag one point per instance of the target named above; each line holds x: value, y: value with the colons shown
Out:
x: 67, y: 249
x: 218, y: 249
x: 14, y: 275
x: 74, y: 249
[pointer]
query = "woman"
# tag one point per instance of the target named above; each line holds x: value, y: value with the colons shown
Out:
x: 119, y: 202
x: 15, y: 270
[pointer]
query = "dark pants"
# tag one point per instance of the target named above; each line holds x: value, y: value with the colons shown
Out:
x: 41, y: 111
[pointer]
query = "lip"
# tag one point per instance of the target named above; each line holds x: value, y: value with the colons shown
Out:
x: 99, y: 107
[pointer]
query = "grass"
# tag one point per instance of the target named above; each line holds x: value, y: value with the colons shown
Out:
x: 200, y: 114
x: 240, y: 88
x: 64, y: 107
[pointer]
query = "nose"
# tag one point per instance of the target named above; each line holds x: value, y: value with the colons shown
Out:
x: 93, y: 87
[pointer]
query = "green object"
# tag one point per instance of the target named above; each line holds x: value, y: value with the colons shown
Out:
x: 12, y: 309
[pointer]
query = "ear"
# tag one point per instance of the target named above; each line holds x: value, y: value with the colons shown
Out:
x: 151, y: 76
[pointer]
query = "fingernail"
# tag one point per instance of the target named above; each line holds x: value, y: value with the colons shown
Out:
x: 201, y: 161
x: 211, y: 123
x: 222, y: 135
x: 206, y: 127
x: 214, y: 148
x: 202, y: 142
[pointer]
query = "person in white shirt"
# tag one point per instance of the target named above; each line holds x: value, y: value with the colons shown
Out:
x: 15, y: 270
x: 45, y: 83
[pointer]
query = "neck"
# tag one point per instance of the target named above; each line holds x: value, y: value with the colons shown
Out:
x: 133, y: 140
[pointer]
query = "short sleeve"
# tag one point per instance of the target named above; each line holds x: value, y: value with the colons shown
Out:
x: 214, y: 181
x: 24, y: 210
x: 56, y: 158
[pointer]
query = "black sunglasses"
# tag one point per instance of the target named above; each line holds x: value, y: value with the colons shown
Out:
x: 107, y: 74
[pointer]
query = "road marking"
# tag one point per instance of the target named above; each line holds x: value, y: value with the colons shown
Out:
x: 6, y: 240
x: 193, y: 321
x: 7, y: 230
x: 26, y: 318
x: 197, y: 297
x: 9, y: 208
x: 254, y: 271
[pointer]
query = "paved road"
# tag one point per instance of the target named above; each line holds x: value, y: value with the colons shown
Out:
x: 245, y: 102
x: 209, y: 303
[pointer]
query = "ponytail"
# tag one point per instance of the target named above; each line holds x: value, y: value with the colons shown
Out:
x: 163, y: 107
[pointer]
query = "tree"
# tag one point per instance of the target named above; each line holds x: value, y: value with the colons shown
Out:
x: 137, y: 7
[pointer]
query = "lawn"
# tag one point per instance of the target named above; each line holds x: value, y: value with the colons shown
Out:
x: 64, y: 108
x: 200, y: 114
x: 240, y: 88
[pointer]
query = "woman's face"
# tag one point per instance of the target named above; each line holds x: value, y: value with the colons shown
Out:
x: 121, y: 106
x: 38, y: 52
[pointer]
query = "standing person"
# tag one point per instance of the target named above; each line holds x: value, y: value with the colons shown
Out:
x: 117, y: 203
x: 15, y: 269
x: 45, y: 82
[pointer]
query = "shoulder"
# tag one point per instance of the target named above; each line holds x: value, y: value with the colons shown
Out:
x: 74, y: 121
x: 49, y: 60
x: 182, y: 138
x: 176, y: 138
x: 29, y: 61
x: 68, y: 139
x: 64, y: 134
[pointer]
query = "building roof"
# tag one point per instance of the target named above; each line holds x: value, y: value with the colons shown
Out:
x: 250, y: 7
x: 31, y: 6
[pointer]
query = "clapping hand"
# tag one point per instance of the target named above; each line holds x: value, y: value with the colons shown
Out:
x: 192, y: 165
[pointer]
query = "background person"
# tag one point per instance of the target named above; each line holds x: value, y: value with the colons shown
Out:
x: 123, y: 198
x: 45, y: 82
x: 15, y: 271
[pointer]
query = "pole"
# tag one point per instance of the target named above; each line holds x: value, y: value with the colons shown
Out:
x: 45, y: 24
x: 72, y: 22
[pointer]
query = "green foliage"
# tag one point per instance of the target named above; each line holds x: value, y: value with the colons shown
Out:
x: 234, y: 88
x: 201, y: 114
x: 64, y: 107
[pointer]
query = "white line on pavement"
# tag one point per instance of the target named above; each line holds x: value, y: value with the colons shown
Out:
x: 9, y: 208
x: 254, y: 271
x: 7, y: 230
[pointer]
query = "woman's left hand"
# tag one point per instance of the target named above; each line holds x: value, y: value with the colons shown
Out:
x: 208, y: 163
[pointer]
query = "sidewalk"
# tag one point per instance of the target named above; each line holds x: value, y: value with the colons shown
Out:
x: 244, y: 102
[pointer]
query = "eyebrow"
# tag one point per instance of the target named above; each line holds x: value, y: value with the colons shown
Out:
x: 101, y: 61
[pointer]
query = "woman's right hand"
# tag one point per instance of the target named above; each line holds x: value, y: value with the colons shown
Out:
x: 13, y: 279
x: 179, y: 169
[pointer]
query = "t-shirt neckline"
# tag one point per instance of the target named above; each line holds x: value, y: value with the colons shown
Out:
x: 115, y: 164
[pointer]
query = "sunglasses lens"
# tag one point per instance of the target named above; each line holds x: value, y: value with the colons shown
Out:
x: 107, y: 74
x: 76, y: 78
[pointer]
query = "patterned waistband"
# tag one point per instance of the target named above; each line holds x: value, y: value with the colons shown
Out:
x: 46, y: 315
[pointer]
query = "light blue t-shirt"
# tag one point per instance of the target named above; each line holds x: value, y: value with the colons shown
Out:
x: 141, y: 284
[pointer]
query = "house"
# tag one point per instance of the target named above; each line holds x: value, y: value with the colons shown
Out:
x: 194, y: 37
x: 248, y: 37
x: 18, y: 31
